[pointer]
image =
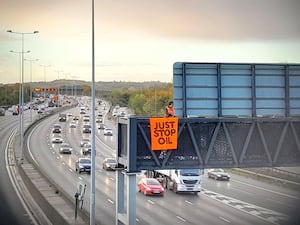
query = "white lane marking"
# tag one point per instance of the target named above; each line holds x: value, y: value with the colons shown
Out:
x: 180, y: 218
x: 13, y: 179
x: 188, y: 202
x: 80, y: 178
x: 151, y: 202
x: 268, y: 190
x: 222, y: 218
x: 110, y: 201
x: 70, y: 170
x: 245, y: 192
x: 28, y: 147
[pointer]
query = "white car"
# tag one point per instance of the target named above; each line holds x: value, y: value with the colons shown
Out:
x: 57, y: 139
x: 86, y: 118
x: 65, y: 148
x: 85, y: 141
x: 108, y: 132
x: 72, y: 124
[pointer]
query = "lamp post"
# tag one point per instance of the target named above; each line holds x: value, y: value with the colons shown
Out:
x: 20, y: 89
x: 22, y: 82
x: 45, y: 66
x: 93, y: 153
x: 21, y: 93
x: 58, y: 71
x: 31, y: 60
x: 67, y: 90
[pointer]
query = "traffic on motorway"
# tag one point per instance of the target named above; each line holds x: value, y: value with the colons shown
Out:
x: 64, y: 154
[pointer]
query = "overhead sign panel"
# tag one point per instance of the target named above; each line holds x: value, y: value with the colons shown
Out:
x: 233, y: 89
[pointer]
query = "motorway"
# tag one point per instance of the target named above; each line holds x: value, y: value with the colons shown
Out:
x: 240, y: 201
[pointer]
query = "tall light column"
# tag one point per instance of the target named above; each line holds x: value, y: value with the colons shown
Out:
x: 31, y: 60
x: 22, y: 85
x: 20, y: 89
x: 45, y: 66
x: 92, y: 190
x: 58, y: 71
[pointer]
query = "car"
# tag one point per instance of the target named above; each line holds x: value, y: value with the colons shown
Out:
x: 150, y: 186
x: 86, y: 149
x: 76, y: 118
x: 86, y: 128
x: 40, y: 111
x: 99, y: 120
x: 218, y: 174
x: 83, y: 165
x: 65, y: 148
x: 100, y: 114
x: 62, y: 117
x: 107, y: 132
x: 101, y: 126
x: 85, y: 141
x: 56, y: 128
x: 57, y: 139
x: 72, y: 124
x: 2, y: 111
x: 86, y: 118
x: 109, y: 164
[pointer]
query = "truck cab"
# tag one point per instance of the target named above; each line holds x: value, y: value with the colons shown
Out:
x: 181, y: 180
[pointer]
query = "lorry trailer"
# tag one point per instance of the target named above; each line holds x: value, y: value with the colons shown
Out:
x: 181, y: 180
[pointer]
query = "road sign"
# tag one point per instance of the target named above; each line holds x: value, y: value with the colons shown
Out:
x: 164, y: 133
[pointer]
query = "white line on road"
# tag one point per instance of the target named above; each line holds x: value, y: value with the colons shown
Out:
x: 151, y: 202
x: 180, y: 218
x: 222, y: 218
x: 188, y: 202
x: 110, y: 201
x: 268, y: 190
x: 245, y: 192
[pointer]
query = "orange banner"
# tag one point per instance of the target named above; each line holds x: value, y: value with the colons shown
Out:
x: 164, y: 133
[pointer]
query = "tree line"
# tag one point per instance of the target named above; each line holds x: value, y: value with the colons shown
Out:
x: 145, y: 102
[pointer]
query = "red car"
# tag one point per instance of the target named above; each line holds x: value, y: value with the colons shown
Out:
x: 150, y: 186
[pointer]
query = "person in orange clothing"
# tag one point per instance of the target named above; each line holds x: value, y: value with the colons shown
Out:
x: 170, y: 109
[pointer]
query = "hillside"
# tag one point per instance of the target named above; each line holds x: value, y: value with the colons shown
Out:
x: 103, y: 86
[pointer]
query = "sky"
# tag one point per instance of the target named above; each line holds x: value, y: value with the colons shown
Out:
x: 140, y: 40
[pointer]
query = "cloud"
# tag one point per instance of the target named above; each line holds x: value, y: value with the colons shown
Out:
x: 213, y: 19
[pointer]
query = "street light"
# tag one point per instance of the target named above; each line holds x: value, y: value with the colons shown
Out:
x: 31, y: 60
x: 20, y: 90
x: 58, y: 71
x: 22, y: 82
x: 45, y: 66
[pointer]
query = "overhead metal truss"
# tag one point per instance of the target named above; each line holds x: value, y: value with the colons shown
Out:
x: 210, y: 143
